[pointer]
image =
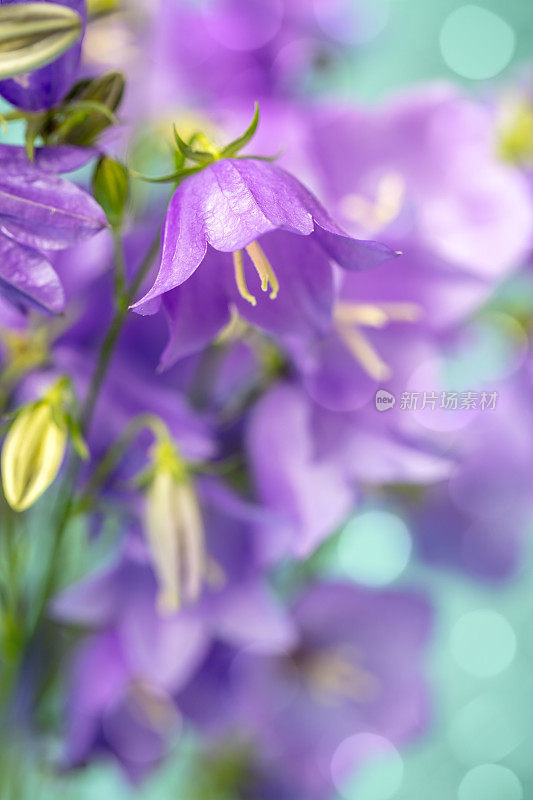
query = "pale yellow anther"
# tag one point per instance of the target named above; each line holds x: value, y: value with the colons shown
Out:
x: 264, y: 269
x: 377, y: 214
x: 240, y: 280
x: 376, y: 316
x: 365, y: 354
x: 350, y: 316
x: 334, y: 675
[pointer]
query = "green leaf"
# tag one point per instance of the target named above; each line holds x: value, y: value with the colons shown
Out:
x: 33, y: 35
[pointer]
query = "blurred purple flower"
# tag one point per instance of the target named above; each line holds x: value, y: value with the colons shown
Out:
x: 423, y: 170
x: 45, y: 87
x: 356, y: 667
x: 40, y: 211
x: 309, y: 479
x: 125, y: 675
x: 250, y: 48
x: 422, y: 174
x: 477, y: 520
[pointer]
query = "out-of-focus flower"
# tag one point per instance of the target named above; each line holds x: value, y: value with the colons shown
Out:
x: 40, y: 211
x: 477, y: 519
x: 423, y: 170
x: 357, y: 667
x: 422, y: 174
x: 137, y: 660
x: 309, y: 480
x: 43, y: 88
x: 252, y: 48
x: 34, y: 37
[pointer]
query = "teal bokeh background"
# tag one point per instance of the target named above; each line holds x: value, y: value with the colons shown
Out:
x: 408, y: 48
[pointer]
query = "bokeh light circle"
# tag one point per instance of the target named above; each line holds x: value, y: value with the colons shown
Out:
x: 242, y: 25
x: 476, y: 43
x: 367, y: 767
x: 374, y: 548
x: 483, y: 643
x: 490, y: 782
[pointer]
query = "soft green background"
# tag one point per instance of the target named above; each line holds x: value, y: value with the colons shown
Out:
x: 408, y: 49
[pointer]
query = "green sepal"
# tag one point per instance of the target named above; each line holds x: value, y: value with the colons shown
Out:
x: 188, y: 152
x: 78, y: 442
x: 174, y: 176
x: 237, y: 144
x: 87, y: 110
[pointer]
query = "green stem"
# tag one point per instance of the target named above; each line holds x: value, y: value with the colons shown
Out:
x: 120, y: 268
x: 111, y: 338
x: 67, y: 502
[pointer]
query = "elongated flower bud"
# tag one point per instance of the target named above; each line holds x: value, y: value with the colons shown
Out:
x: 111, y: 189
x: 35, y: 445
x: 174, y: 529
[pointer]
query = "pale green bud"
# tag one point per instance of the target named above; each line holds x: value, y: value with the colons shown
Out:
x: 174, y: 529
x: 111, y: 189
x: 35, y: 445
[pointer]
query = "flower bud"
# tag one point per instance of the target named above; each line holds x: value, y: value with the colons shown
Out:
x: 174, y: 529
x: 99, y: 98
x: 111, y: 189
x: 35, y: 34
x: 34, y: 448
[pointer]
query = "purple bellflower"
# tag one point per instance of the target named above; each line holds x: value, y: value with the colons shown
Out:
x: 356, y: 668
x: 137, y: 660
x: 256, y: 215
x: 229, y: 205
x: 45, y: 87
x: 309, y: 480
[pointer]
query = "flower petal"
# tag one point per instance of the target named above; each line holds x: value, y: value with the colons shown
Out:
x: 184, y: 242
x: 28, y: 279
x: 50, y: 159
x: 45, y: 211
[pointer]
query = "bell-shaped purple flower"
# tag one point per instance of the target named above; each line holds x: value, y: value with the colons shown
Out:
x: 356, y: 669
x: 229, y: 205
x: 45, y: 87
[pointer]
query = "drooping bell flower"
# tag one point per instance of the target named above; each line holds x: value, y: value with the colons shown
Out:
x: 229, y: 204
x: 39, y: 211
x: 45, y: 87
x: 354, y: 676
